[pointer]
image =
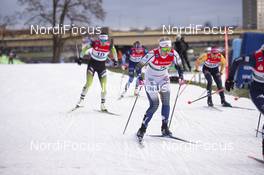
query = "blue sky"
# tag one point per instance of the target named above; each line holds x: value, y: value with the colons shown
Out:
x: 154, y: 13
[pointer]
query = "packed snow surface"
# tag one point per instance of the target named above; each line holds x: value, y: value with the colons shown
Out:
x: 39, y: 136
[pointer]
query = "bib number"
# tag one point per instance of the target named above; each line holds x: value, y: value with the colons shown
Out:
x: 100, y: 54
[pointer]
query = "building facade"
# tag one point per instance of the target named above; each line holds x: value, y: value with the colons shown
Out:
x: 253, y: 14
x: 260, y: 14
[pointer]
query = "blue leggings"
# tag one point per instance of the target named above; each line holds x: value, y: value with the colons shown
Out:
x: 257, y: 96
x: 153, y: 98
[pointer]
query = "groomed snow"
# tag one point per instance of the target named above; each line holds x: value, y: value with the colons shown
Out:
x: 38, y: 135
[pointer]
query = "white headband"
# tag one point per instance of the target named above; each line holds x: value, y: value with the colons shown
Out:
x: 166, y: 43
x: 103, y: 37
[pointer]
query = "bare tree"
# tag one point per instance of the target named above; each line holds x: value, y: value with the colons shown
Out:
x: 5, y: 21
x: 60, y: 12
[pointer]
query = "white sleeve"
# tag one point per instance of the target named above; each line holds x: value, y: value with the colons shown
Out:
x: 90, y: 51
x: 147, y: 58
x: 177, y: 59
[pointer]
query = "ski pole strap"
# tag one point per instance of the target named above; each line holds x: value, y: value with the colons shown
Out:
x: 220, y: 90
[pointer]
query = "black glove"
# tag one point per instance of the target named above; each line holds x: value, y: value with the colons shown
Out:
x: 229, y: 84
x: 78, y: 61
x: 86, y: 59
x: 115, y: 63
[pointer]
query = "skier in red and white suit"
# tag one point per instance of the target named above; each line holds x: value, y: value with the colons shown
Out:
x: 157, y: 82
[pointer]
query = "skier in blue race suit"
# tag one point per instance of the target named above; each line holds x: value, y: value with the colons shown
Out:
x: 256, y: 90
x: 134, y: 55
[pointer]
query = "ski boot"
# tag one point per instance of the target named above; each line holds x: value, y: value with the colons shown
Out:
x: 103, y: 108
x: 124, y: 92
x: 141, y: 132
x: 209, y: 101
x: 165, y: 129
x: 225, y: 104
x: 80, y: 102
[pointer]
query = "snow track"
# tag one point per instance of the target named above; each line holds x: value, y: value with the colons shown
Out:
x: 35, y: 99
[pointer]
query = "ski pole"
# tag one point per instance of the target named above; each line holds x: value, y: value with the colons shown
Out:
x: 189, y: 81
x: 190, y: 102
x: 260, y: 132
x: 175, y: 102
x: 202, y: 93
x: 77, y: 50
x: 136, y: 98
x: 258, y: 125
x: 132, y: 111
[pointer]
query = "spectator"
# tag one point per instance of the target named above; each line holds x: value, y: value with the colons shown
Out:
x: 181, y: 47
x: 12, y: 56
x: 1, y: 55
